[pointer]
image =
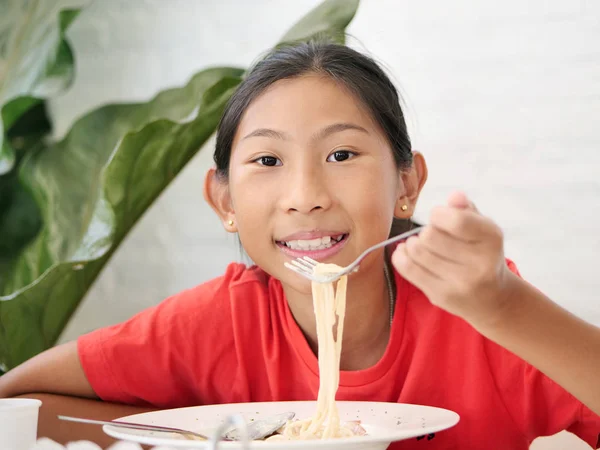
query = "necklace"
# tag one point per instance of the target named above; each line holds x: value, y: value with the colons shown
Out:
x: 391, y: 293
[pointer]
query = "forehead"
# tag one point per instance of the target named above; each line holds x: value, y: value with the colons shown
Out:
x: 305, y: 103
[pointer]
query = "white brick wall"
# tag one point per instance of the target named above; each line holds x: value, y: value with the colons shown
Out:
x: 504, y: 101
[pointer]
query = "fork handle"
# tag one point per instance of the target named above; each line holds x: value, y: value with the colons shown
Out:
x: 134, y: 426
x: 400, y: 237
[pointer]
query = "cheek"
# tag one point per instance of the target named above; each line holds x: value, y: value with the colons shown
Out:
x: 253, y: 233
x: 249, y: 194
x: 372, y: 192
x: 252, y: 203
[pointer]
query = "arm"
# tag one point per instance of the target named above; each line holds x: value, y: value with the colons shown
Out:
x: 564, y: 347
x: 57, y: 379
x: 55, y: 371
x: 458, y: 262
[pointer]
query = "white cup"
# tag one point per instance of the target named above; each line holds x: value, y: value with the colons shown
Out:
x: 18, y: 423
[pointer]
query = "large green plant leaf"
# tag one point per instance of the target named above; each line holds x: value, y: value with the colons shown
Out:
x: 20, y: 219
x: 35, y: 59
x: 91, y: 188
x: 95, y: 184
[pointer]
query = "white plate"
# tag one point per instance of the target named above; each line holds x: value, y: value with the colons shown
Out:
x: 384, y: 423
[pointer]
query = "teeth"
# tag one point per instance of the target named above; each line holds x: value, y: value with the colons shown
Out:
x: 313, y: 244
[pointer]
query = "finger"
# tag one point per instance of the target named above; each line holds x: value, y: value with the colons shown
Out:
x: 440, y: 267
x: 458, y: 199
x: 462, y: 224
x: 443, y: 244
x: 413, y: 272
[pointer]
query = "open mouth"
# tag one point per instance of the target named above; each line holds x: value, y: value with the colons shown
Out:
x: 308, y: 245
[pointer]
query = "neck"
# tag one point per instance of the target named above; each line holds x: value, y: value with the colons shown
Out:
x: 367, y: 322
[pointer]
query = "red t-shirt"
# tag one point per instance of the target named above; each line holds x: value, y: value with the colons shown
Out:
x: 234, y: 339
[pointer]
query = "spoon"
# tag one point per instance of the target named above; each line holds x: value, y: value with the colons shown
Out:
x: 256, y: 429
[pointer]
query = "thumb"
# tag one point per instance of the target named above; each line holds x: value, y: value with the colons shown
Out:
x: 460, y: 200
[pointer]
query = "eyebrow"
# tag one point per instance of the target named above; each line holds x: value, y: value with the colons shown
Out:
x: 337, y: 128
x: 321, y: 134
x: 267, y: 132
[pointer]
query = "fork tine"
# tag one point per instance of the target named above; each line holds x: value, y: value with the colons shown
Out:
x: 304, y: 264
x: 296, y: 265
x: 293, y: 267
x: 304, y: 271
x: 301, y: 271
x: 310, y: 260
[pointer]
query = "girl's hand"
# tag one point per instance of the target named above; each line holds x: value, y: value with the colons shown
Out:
x: 458, y: 262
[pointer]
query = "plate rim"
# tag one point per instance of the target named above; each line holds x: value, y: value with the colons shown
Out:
x: 117, y: 433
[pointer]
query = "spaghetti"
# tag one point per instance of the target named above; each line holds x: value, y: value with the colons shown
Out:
x: 329, y: 304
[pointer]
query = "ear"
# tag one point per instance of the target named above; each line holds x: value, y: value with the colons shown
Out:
x: 216, y: 194
x: 411, y: 183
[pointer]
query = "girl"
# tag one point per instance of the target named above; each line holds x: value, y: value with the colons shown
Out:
x: 313, y: 157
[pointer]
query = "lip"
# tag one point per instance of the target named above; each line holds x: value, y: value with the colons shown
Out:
x: 307, y: 235
x: 318, y: 255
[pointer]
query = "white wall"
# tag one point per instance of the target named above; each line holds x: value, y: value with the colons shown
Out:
x: 504, y: 101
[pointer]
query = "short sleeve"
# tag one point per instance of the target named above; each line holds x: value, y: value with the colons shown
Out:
x: 587, y: 427
x: 167, y: 355
x: 538, y: 405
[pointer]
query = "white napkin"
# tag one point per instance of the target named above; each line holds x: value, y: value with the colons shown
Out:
x: 49, y: 444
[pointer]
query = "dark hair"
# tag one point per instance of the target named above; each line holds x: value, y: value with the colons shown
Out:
x: 359, y: 73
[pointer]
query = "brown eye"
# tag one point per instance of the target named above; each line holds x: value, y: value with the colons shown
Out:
x: 269, y: 161
x: 340, y: 155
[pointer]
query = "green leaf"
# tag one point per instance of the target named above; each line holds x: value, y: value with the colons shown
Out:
x: 7, y: 157
x: 20, y: 220
x: 91, y: 189
x: 327, y: 21
x: 35, y: 59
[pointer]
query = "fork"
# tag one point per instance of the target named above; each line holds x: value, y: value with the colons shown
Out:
x: 305, y: 266
x: 257, y: 429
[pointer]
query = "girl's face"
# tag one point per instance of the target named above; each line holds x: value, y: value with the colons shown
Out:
x: 312, y: 174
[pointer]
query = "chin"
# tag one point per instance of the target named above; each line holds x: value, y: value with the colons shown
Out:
x: 289, y: 278
x: 298, y: 283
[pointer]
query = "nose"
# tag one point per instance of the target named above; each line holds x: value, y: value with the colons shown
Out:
x: 306, y: 191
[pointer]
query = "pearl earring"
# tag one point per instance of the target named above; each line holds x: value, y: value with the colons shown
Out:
x: 404, y: 207
x: 230, y: 223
